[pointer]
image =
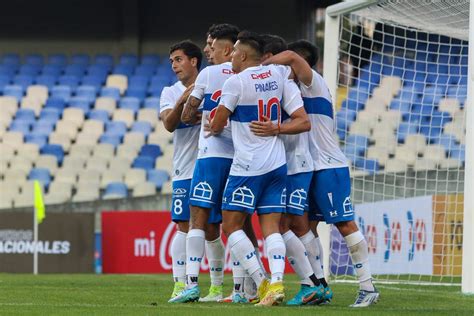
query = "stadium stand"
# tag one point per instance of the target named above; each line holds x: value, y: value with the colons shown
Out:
x: 85, y: 127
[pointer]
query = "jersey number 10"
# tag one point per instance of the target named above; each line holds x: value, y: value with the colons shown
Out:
x: 266, y: 109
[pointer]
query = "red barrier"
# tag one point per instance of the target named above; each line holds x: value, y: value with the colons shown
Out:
x: 139, y: 242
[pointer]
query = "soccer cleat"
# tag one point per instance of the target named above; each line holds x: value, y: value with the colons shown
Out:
x: 187, y: 295
x: 178, y: 288
x: 262, y: 290
x: 215, y: 294
x: 327, y: 295
x: 273, y: 296
x: 239, y: 298
x: 366, y: 298
x: 307, y: 295
x: 227, y: 299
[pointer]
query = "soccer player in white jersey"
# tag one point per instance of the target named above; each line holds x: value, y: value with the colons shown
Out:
x: 185, y: 58
x: 257, y: 178
x: 330, y: 187
x: 211, y: 170
x: 300, y: 172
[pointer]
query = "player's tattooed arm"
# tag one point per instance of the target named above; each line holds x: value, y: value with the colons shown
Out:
x: 299, y: 123
x: 190, y: 113
x: 172, y: 118
x: 299, y: 66
x: 217, y: 124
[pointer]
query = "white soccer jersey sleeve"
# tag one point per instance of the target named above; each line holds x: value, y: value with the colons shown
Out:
x: 230, y: 93
x: 202, y: 81
x: 292, y: 100
x: 167, y: 100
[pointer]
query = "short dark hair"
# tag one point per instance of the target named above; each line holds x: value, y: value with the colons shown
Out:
x: 274, y: 44
x: 252, y: 39
x: 225, y: 31
x: 211, y: 29
x: 309, y: 51
x: 189, y: 49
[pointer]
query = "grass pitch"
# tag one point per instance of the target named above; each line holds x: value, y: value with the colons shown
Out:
x: 148, y: 295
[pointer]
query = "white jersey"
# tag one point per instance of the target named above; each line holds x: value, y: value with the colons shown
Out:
x: 249, y: 95
x: 185, y: 137
x: 324, y: 148
x: 298, y: 158
x: 208, y: 86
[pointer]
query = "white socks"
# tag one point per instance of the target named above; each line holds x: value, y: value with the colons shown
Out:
x: 238, y: 274
x: 242, y: 249
x: 276, y: 251
x: 194, y: 252
x: 360, y: 259
x: 313, y: 249
x: 298, y: 258
x: 215, y: 256
x: 178, y: 255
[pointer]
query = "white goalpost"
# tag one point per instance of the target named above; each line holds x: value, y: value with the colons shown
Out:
x: 402, y: 78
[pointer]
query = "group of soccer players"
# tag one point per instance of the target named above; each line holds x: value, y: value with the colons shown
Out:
x: 254, y: 131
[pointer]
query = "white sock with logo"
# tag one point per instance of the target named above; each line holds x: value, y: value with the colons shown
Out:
x: 215, y: 252
x: 238, y: 274
x: 276, y: 256
x: 298, y: 258
x: 194, y: 252
x: 178, y: 255
x: 243, y: 250
x: 311, y: 245
x: 360, y: 259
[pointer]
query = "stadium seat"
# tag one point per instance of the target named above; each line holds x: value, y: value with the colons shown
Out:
x: 67, y: 128
x: 152, y: 103
x: 151, y: 150
x: 148, y: 115
x: 20, y: 162
x: 157, y: 177
x: 89, y: 177
x: 143, y: 162
x: 39, y: 140
x: 49, y: 162
x: 135, y: 139
x: 105, y: 103
x: 61, y: 92
x: 13, y: 139
x: 115, y: 190
x: 144, y: 189
x: 110, y: 92
x: 86, y: 91
x: 95, y: 81
x: 396, y: 166
x: 87, y: 139
x: 66, y: 176
x: 435, y: 153
x: 70, y: 81
x: 97, y: 164
x: 15, y: 91
x: 20, y: 126
x: 369, y: 165
x: 99, y: 115
x: 130, y: 103
x: 118, y: 81
x: 128, y: 152
x: 23, y: 80
x: 380, y: 154
x: 458, y: 153
x: 110, y: 176
x: 27, y: 150
x: 76, y: 158
x: 124, y: 115
x: 120, y: 165
x: 50, y: 114
x: 123, y: 70
x: 86, y: 193
x: 93, y: 127
x: 56, y: 103
x: 406, y: 154
x: 41, y: 174
x: 135, y: 176
x: 105, y: 151
x: 8, y: 105
x: 15, y: 176
x: 55, y: 150
x: 80, y: 103
x: 167, y: 188
x: 57, y: 59
x: 74, y: 116
x: 80, y: 59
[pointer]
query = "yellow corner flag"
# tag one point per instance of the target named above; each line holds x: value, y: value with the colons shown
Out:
x: 39, y: 205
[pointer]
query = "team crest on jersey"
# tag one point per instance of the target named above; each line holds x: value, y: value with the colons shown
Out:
x: 244, y: 196
x: 203, y: 190
x: 298, y: 198
x: 348, y: 209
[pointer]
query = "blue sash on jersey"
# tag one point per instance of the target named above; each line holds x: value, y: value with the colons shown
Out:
x: 318, y: 105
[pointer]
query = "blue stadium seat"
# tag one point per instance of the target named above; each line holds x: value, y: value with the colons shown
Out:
x: 23, y: 80
x: 405, y: 129
x: 69, y: 80
x: 422, y: 109
x: 145, y: 70
x: 150, y: 59
x: 110, y: 138
x: 369, y: 165
x: 81, y: 59
x: 110, y: 92
x: 20, y: 126
x: 55, y: 103
x: 144, y: 162
x: 41, y: 174
x: 104, y: 59
x: 344, y: 118
x: 77, y: 70
x: 46, y: 80
x: 13, y: 91
x: 447, y: 141
x: 458, y: 152
x: 42, y: 130
x: 412, y: 118
x: 55, y: 150
x: 93, y: 81
x: 130, y: 103
x: 359, y: 141
x: 52, y: 70
x: 39, y: 140
x: 157, y: 176
x: 34, y: 59
x: 25, y: 115
x: 98, y: 70
x: 439, y: 119
x: 142, y: 127
x: 138, y: 81
x: 128, y: 59
x: 89, y: 92
x: 99, y: 115
x: 4, y: 81
x: 50, y: 114
x: 11, y: 59
x: 46, y: 121
x: 61, y: 92
x: 152, y: 103
x: 137, y: 92
x: 400, y: 105
x: 121, y: 69
x: 116, y: 189
x: 57, y: 59
x: 352, y: 153
x: 43, y: 125
x: 352, y: 105
x: 81, y: 103
x: 7, y: 70
x: 431, y: 133
x: 116, y: 128
x: 150, y: 150
x: 32, y: 70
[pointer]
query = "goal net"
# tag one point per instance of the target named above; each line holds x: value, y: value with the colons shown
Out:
x: 402, y: 91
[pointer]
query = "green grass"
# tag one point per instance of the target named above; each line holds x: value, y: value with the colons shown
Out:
x: 148, y: 295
